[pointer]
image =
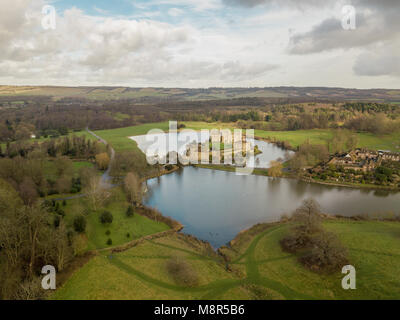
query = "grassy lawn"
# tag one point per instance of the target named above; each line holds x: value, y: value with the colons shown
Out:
x: 70, y: 134
x: 81, y: 164
x: 198, y: 125
x: 50, y: 169
x: 42, y: 139
x: 262, y: 269
x: 315, y: 136
x: 137, y: 226
x: 386, y: 142
x: 373, y: 251
x: 322, y: 136
x: 140, y: 273
x: 296, y: 138
x: 118, y: 138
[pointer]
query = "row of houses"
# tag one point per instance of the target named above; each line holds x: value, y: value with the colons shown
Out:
x: 363, y: 159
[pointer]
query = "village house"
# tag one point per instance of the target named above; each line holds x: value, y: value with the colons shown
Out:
x: 363, y: 159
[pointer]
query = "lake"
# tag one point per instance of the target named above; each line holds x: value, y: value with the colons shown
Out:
x: 146, y: 144
x: 216, y: 205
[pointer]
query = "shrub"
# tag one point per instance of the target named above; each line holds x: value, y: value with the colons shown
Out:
x: 182, y: 272
x: 106, y: 217
x: 109, y: 242
x: 79, y: 224
x: 108, y: 232
x: 57, y: 220
x: 326, y: 253
x: 61, y: 212
x: 296, y: 241
x: 73, y: 190
x: 258, y: 292
x: 128, y: 235
x: 47, y: 204
x: 319, y: 250
x: 129, y: 211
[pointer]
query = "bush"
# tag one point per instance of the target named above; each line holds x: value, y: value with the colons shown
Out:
x: 129, y: 211
x: 319, y: 250
x: 106, y: 217
x: 109, y: 242
x: 61, y: 212
x: 57, y: 220
x: 326, y: 253
x: 128, y: 235
x: 182, y: 272
x: 296, y: 241
x: 108, y: 232
x: 79, y: 224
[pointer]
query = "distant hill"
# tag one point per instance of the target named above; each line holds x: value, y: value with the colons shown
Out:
x: 116, y: 93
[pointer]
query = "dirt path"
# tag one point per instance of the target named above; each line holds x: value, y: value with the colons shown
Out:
x: 215, y: 289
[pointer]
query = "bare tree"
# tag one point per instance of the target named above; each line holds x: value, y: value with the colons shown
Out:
x: 133, y: 188
x: 28, y: 192
x: 96, y: 193
x: 63, y: 184
x: 309, y: 216
x: 36, y: 219
x: 59, y: 251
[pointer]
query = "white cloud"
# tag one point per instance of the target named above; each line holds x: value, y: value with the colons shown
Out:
x: 105, y: 50
x: 231, y: 50
x: 377, y: 33
x: 175, y: 12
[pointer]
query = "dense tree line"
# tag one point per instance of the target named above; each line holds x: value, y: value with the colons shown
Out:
x: 29, y: 239
x: 72, y: 146
x: 45, y: 117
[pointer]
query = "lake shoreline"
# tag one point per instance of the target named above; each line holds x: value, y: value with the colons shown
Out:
x: 264, y: 172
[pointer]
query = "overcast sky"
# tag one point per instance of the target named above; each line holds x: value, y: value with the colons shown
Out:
x: 201, y: 43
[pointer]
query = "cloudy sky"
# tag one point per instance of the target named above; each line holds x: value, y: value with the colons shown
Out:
x: 200, y: 43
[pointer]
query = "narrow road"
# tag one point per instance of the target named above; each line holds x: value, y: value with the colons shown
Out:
x: 105, y: 178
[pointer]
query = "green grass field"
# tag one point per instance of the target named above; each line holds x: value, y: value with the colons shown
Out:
x: 120, y: 141
x: 119, y: 138
x: 50, y: 169
x: 70, y: 134
x: 262, y: 269
x: 137, y: 226
x: 373, y: 251
x: 322, y: 136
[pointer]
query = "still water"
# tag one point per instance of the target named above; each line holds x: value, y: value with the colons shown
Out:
x: 215, y: 205
x: 159, y: 144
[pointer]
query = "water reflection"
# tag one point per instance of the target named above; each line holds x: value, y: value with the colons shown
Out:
x: 216, y: 205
